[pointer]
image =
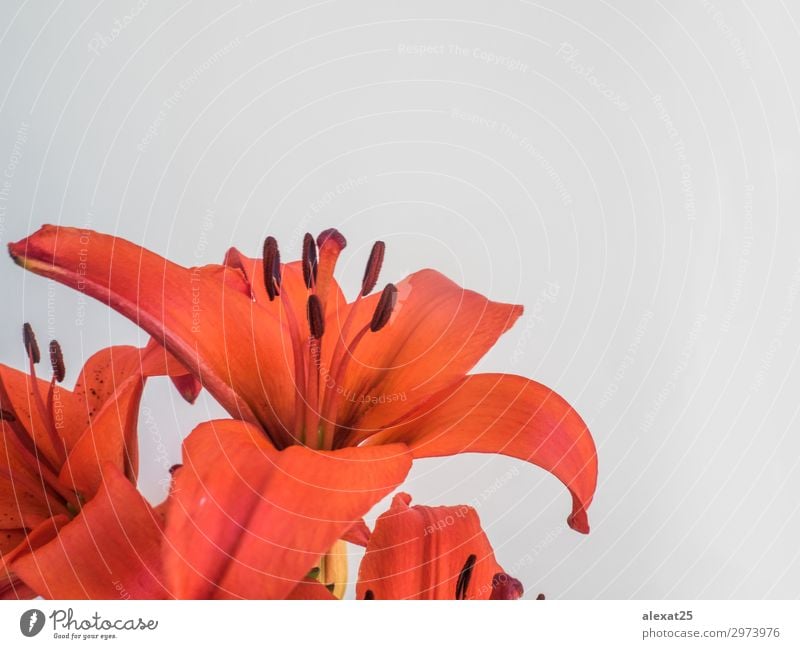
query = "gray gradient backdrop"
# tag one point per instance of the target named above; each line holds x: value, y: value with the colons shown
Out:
x: 627, y: 170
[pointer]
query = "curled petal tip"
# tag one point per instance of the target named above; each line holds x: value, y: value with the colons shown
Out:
x: 188, y: 386
x: 35, y: 250
x: 579, y: 521
x: 16, y: 250
x: 401, y: 499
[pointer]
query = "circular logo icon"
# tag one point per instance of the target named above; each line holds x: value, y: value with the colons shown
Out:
x: 31, y: 622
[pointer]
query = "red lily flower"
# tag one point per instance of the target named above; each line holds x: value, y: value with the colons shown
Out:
x: 431, y: 553
x: 54, y: 444
x: 279, y: 347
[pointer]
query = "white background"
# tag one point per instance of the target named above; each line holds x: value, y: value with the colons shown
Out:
x: 627, y: 170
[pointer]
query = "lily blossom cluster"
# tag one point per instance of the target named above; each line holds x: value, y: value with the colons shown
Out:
x: 329, y: 401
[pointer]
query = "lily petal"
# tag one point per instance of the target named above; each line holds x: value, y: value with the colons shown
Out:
x: 511, y: 415
x: 294, y: 296
x: 104, y: 375
x: 246, y: 520
x: 438, y: 331
x: 109, y: 437
x: 293, y: 287
x: 10, y: 539
x: 17, y: 396
x: 358, y: 534
x: 204, y: 316
x: 17, y: 543
x: 111, y: 549
x: 109, y: 392
x: 32, y: 539
x: 427, y: 553
x: 14, y: 589
x: 24, y: 500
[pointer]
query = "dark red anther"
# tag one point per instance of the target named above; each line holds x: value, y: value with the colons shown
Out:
x: 309, y: 260
x: 383, y: 311
x: 31, y: 346
x: 57, y: 361
x: 464, y: 576
x: 333, y: 234
x: 506, y: 587
x: 174, y: 468
x: 540, y: 596
x: 272, y: 267
x: 316, y: 320
x: 373, y: 268
x: 369, y: 595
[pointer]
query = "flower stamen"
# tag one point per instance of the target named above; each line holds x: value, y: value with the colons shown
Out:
x: 385, y: 308
x: 316, y: 319
x: 57, y: 361
x: 309, y: 261
x: 272, y: 284
x: 316, y: 327
x: 25, y: 444
x: 336, y: 393
x: 32, y: 348
x: 373, y: 269
x: 371, y: 273
x: 272, y: 268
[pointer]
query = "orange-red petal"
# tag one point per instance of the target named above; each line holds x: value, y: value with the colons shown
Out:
x: 17, y: 543
x: 204, y: 316
x: 246, y: 520
x: 112, y: 549
x: 24, y: 502
x: 511, y: 415
x: 437, y: 333
x: 101, y: 419
x: 29, y: 540
x: 293, y: 287
x: 293, y: 296
x: 358, y: 534
x: 109, y: 437
x: 424, y: 552
x: 17, y: 396
x: 13, y: 588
